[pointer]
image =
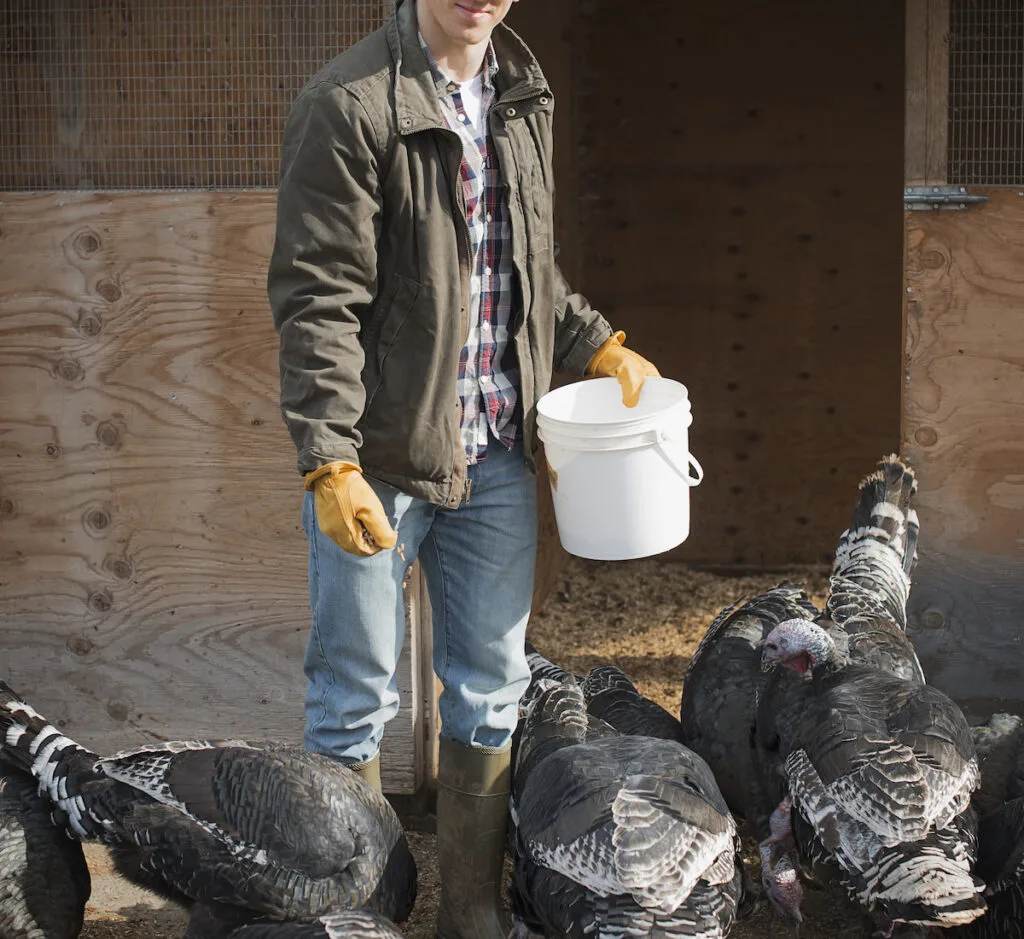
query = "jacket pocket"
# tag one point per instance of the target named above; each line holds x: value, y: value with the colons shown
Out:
x: 395, y: 308
x: 402, y: 295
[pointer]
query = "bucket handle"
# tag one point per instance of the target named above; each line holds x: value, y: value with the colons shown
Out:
x: 683, y: 469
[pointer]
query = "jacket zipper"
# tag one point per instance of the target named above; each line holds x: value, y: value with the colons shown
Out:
x: 458, y: 198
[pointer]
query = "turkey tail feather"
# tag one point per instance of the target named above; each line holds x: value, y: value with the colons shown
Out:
x: 30, y: 743
x: 876, y: 555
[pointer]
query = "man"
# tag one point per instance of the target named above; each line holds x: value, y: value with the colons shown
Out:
x: 420, y: 313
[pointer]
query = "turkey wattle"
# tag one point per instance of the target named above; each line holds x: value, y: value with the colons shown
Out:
x: 44, y: 879
x: 615, y: 834
x: 236, y: 831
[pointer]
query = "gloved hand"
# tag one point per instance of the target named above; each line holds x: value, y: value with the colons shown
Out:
x: 348, y: 510
x: 614, y: 360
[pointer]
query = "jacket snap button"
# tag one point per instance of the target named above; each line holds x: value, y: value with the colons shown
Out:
x: 406, y: 121
x: 510, y: 112
x: 543, y: 99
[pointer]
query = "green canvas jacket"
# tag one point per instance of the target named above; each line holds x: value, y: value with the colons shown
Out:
x: 369, y: 276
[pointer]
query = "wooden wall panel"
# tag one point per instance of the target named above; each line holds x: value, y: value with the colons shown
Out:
x: 964, y: 431
x: 152, y: 562
x: 741, y: 221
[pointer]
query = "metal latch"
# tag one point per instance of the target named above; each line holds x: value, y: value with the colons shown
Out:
x: 939, y: 197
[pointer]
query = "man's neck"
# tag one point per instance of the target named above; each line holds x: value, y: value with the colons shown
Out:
x: 457, y: 60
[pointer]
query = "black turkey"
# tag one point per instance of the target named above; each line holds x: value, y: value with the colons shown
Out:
x: 236, y: 831
x: 351, y: 924
x: 44, y: 880
x: 721, y: 688
x: 615, y: 835
x: 879, y: 772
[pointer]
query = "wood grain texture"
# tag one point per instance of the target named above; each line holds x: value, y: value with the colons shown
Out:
x: 152, y: 565
x: 741, y: 224
x: 963, y: 427
x: 926, y: 126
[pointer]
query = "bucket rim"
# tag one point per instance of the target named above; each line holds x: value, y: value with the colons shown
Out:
x: 613, y: 421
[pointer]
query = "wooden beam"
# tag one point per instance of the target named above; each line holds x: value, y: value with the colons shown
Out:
x: 926, y: 127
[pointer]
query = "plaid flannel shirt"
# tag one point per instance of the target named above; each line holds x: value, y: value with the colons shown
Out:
x: 488, y: 380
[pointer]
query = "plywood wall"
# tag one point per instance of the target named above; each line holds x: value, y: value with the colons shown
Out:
x: 742, y: 223
x: 964, y: 431
x: 152, y: 561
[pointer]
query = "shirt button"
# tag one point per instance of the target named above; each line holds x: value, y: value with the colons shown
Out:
x: 489, y: 218
x: 485, y: 379
x: 487, y: 271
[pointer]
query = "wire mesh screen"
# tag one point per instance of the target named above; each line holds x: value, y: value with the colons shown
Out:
x: 986, y: 92
x: 144, y: 94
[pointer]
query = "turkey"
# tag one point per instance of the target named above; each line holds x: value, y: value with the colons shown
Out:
x: 720, y: 693
x: 615, y: 835
x: 238, y: 832
x: 878, y: 771
x: 865, y: 616
x: 44, y: 880
x: 1000, y: 745
x: 351, y: 924
x: 609, y: 695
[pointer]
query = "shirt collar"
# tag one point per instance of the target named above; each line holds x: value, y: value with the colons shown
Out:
x: 446, y: 86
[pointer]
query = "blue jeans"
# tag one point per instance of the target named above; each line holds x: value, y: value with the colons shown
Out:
x: 478, y: 562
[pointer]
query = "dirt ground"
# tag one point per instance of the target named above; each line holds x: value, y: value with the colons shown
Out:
x: 645, y: 616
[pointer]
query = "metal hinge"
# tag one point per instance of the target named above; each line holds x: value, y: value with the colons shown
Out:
x: 939, y: 197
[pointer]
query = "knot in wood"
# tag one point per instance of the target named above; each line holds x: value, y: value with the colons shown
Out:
x: 108, y: 434
x: 109, y: 291
x: 100, y: 601
x: 86, y: 243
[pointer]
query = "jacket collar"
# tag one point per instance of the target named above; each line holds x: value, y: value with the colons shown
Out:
x: 416, y: 102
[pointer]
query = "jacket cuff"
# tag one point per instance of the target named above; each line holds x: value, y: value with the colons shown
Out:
x: 585, y: 346
x: 312, y: 458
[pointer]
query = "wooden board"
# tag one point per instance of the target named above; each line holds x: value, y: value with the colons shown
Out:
x: 963, y: 428
x: 152, y: 564
x: 927, y: 117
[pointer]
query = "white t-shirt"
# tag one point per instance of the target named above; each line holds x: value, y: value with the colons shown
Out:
x: 472, y: 101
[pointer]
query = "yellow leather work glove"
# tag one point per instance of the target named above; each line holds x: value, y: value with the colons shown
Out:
x: 614, y: 360
x: 348, y: 510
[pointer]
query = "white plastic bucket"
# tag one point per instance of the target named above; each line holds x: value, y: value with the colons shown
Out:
x: 620, y: 477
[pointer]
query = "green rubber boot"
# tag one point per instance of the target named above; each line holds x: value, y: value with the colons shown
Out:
x: 368, y: 770
x: 472, y: 819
